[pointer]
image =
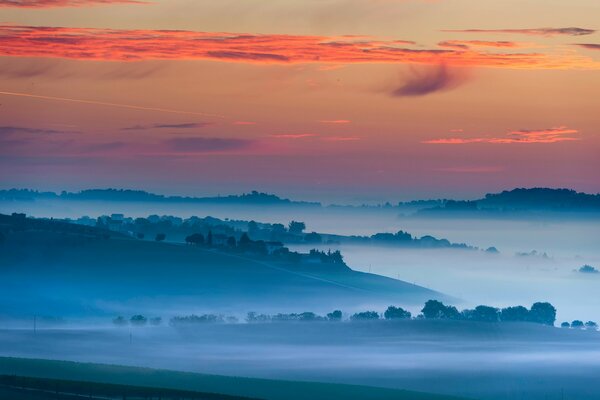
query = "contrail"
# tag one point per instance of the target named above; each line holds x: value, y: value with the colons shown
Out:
x: 102, y: 103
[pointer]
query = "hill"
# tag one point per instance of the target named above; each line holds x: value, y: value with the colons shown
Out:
x: 523, y: 200
x: 233, y: 386
x: 58, y: 269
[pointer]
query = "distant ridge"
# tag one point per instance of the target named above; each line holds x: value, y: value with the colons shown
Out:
x: 253, y: 197
x: 525, y: 199
x: 519, y: 199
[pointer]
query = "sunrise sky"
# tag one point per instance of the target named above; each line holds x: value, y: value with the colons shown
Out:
x: 331, y: 100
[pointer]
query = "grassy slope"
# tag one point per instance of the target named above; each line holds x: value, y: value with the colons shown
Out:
x: 130, y: 268
x: 259, y: 388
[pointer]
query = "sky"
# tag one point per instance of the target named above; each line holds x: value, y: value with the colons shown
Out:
x: 330, y: 100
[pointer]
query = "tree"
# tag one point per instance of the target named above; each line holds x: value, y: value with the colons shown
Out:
x: 196, y: 238
x: 396, y: 313
x: 138, y: 320
x: 565, y: 325
x: 231, y: 242
x: 209, y: 238
x: 485, y: 314
x: 514, y: 314
x: 542, y: 313
x: 296, y: 227
x: 160, y: 237
x: 335, y: 315
x: 577, y: 324
x: 313, y: 237
x: 365, y: 316
x: 435, y: 309
x: 140, y: 235
x: 252, y: 228
x: 591, y: 325
x: 244, y: 240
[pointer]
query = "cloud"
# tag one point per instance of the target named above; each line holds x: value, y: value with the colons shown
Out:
x: 550, y: 135
x: 187, y: 125
x: 137, y: 45
x: 12, y: 130
x: 424, y: 81
x: 293, y: 135
x: 335, y: 121
x: 589, y: 46
x: 571, y: 31
x: 466, y: 44
x: 207, y: 145
x: 63, y: 3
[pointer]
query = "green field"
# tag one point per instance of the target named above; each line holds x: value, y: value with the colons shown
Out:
x: 233, y: 386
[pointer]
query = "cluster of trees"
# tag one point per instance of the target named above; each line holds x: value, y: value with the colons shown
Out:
x: 201, y: 319
x: 137, y: 320
x: 577, y: 324
x: 541, y: 313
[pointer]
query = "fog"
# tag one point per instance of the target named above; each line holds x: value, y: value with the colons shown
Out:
x: 486, y: 361
x: 537, y: 260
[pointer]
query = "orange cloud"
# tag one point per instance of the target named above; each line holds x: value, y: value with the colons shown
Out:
x: 62, y: 3
x: 133, y: 45
x: 551, y: 135
x: 465, y: 44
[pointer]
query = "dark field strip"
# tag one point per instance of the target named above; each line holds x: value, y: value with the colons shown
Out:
x: 27, y: 388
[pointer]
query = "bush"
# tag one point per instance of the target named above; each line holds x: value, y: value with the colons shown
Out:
x: 396, y: 313
x: 138, y: 320
x: 365, y: 316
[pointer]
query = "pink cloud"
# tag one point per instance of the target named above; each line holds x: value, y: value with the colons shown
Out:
x: 551, y: 135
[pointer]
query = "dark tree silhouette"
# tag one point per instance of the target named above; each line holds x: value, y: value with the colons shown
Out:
x: 435, y: 309
x: 335, y: 315
x: 160, y: 237
x: 542, y: 313
x: 296, y: 227
x: 231, y: 241
x: 514, y: 314
x: 244, y: 240
x: 396, y: 313
x: 209, y: 238
x: 577, y: 324
x: 482, y: 314
x: 591, y: 325
x: 196, y: 238
x: 138, y: 320
x: 313, y: 237
x: 365, y: 316
x: 565, y: 325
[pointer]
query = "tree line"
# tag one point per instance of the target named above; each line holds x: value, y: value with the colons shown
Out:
x: 540, y: 313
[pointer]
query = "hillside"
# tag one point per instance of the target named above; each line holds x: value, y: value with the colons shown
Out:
x: 235, y: 386
x: 53, y: 270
